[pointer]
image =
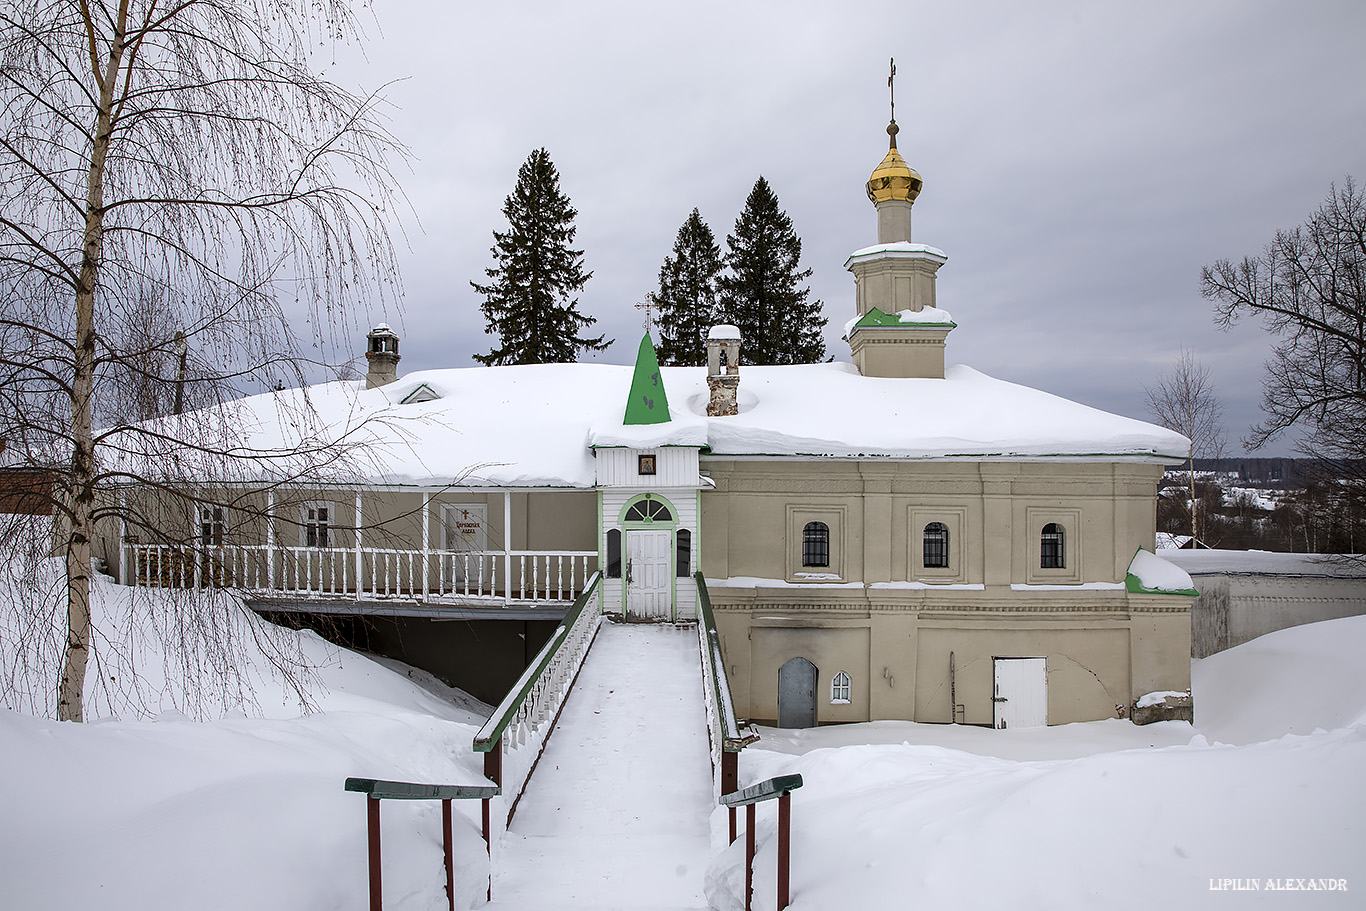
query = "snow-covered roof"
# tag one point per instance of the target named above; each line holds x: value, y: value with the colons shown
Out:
x: 1266, y: 563
x: 535, y: 426
x: 723, y: 332
x: 899, y: 249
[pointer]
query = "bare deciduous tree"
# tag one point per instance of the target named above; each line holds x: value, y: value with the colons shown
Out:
x: 1309, y: 288
x: 170, y: 168
x: 1184, y: 399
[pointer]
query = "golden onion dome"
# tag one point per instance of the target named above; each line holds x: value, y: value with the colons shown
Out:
x: 894, y: 179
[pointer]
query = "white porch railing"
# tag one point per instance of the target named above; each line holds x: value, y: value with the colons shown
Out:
x: 367, y: 573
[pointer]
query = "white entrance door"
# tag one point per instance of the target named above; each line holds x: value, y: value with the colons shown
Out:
x: 1021, y: 693
x: 648, y: 580
x: 464, y: 535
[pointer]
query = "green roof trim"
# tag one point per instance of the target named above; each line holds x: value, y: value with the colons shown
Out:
x: 876, y: 319
x: 1135, y: 587
x: 648, y: 404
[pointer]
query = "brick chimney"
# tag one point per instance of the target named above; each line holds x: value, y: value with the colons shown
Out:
x: 381, y: 350
x: 723, y: 370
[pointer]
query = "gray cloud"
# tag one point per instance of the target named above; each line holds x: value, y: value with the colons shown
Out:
x: 1081, y: 161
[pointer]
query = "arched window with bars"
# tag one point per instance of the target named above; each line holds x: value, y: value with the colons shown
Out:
x: 816, y: 544
x: 1052, y: 547
x: 935, y: 547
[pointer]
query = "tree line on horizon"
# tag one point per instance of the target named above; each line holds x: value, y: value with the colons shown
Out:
x: 531, y: 304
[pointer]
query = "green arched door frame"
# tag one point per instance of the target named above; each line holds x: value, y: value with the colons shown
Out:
x: 647, y: 524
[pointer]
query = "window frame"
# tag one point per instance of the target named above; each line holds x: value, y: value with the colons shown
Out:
x: 935, y: 536
x: 1053, y: 546
x: 841, y: 683
x: 816, y: 544
x: 211, y: 531
x: 682, y: 553
x: 799, y: 515
x: 321, y: 527
x: 613, y: 569
x: 1070, y: 521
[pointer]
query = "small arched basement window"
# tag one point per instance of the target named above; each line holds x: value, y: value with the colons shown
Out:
x: 816, y: 544
x: 1051, y: 547
x: 614, y: 553
x: 840, y: 689
x: 648, y: 511
x: 936, y: 546
x: 683, y: 556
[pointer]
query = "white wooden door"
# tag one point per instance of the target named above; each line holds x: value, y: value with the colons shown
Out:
x: 649, y: 583
x: 1021, y: 693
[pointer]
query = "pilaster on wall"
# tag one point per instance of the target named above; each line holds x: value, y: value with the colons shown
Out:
x: 877, y: 524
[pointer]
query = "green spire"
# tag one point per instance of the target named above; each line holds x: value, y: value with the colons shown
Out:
x: 648, y: 404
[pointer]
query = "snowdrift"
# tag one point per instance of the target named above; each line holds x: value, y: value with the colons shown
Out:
x: 158, y: 811
x: 1088, y: 815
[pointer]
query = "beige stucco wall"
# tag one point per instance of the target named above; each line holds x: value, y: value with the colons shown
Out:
x: 890, y: 622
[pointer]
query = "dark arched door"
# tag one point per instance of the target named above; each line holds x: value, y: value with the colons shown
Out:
x: 797, y: 694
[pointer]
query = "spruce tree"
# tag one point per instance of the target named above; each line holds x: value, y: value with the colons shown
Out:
x: 686, y: 298
x: 762, y: 292
x: 529, y: 301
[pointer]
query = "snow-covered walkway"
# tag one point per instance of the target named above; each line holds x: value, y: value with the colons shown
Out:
x: 616, y: 814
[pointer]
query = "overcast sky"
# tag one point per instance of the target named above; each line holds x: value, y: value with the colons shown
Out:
x: 1081, y: 161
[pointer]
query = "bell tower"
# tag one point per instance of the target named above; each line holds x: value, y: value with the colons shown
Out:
x: 897, y: 330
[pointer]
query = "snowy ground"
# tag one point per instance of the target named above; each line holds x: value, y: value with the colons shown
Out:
x: 616, y: 815
x: 1267, y: 786
x: 156, y: 811
x: 150, y: 810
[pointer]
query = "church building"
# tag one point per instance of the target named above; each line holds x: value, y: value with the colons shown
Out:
x: 882, y: 539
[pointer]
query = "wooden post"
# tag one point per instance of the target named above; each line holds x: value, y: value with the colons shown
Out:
x: 270, y: 539
x: 784, y: 846
x: 123, y: 536
x: 749, y: 854
x: 446, y: 847
x: 730, y: 776
x: 507, y: 546
x: 426, y: 541
x: 360, y: 568
x: 372, y: 827
x: 493, y: 771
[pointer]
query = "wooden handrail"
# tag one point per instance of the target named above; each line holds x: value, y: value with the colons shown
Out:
x: 732, y: 739
x: 780, y: 788
x: 764, y: 790
x: 407, y: 790
x: 376, y: 789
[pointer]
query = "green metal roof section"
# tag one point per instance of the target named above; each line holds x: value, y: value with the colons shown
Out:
x: 1135, y: 587
x: 876, y: 319
x: 648, y: 404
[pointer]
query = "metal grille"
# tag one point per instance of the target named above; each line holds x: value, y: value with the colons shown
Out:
x: 936, y: 547
x: 1051, y: 547
x: 816, y: 544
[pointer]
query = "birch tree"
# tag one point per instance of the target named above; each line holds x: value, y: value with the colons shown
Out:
x: 169, y: 167
x: 1184, y: 399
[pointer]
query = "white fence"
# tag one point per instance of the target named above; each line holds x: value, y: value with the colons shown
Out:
x: 367, y: 573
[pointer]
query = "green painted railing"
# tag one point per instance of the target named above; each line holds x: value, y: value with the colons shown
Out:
x: 727, y: 737
x: 516, y: 700
x: 519, y: 726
